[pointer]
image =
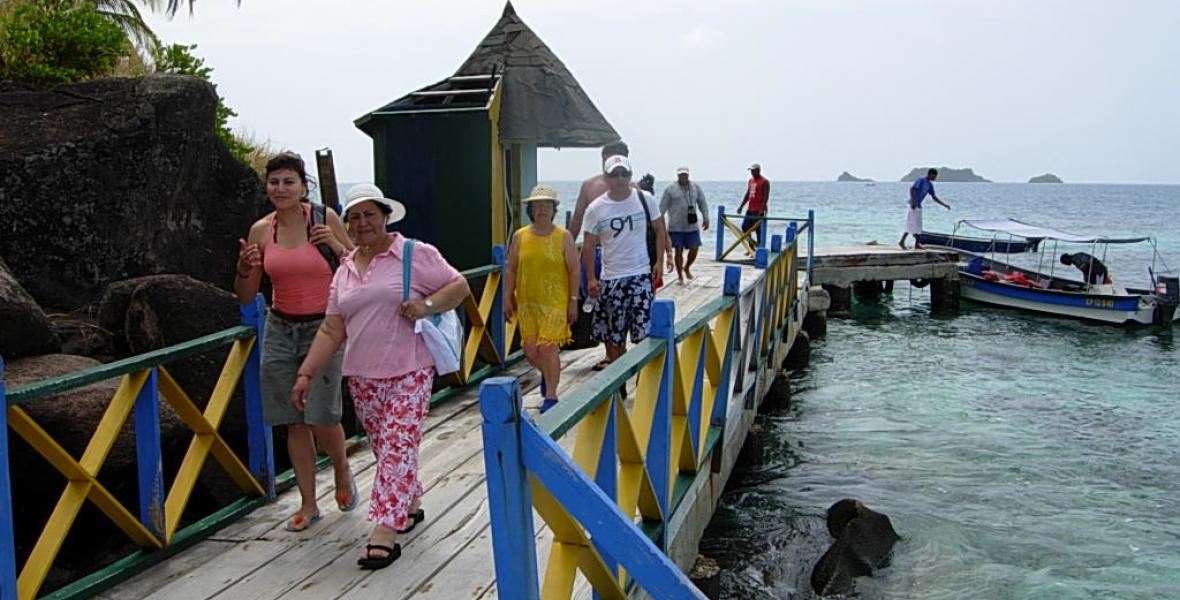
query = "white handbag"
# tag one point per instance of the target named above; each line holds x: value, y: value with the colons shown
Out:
x: 442, y: 333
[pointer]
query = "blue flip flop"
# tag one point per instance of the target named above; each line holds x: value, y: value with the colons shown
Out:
x: 548, y: 404
x: 354, y: 496
x: 299, y: 522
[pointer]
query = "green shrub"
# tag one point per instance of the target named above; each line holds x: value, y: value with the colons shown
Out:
x: 180, y: 60
x: 48, y: 42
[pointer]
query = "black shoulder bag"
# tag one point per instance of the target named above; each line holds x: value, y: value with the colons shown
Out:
x: 651, y: 232
x: 319, y: 216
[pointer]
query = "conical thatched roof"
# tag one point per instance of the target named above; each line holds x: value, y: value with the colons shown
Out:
x: 542, y: 103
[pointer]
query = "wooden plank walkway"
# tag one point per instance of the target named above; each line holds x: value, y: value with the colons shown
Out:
x: 448, y: 556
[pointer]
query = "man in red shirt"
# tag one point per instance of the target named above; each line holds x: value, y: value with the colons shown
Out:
x: 758, y: 195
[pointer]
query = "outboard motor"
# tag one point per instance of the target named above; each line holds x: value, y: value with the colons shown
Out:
x: 1167, y: 292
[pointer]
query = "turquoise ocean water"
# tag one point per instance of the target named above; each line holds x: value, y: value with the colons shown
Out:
x: 1018, y: 456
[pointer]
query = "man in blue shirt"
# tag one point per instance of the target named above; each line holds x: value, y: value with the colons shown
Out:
x: 918, y: 191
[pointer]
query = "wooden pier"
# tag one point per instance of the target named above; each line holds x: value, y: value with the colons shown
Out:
x: 869, y: 270
x: 450, y: 555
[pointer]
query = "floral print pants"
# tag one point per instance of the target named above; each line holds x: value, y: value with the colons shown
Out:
x: 392, y: 410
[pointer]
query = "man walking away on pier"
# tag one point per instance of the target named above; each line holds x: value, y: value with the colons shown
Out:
x: 1093, y: 271
x: 686, y: 212
x: 758, y: 195
x: 620, y: 220
x: 922, y: 187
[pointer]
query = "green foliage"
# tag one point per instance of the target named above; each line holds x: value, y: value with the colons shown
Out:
x: 48, y: 42
x: 180, y: 60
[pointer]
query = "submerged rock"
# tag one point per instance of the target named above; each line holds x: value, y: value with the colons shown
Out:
x: 864, y: 544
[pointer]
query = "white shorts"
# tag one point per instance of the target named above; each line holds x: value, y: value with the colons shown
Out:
x: 913, y: 220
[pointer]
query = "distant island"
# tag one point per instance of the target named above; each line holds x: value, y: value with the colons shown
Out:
x: 846, y: 176
x: 1046, y: 178
x: 946, y: 174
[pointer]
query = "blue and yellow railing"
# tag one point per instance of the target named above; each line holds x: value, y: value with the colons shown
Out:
x: 144, y: 380
x: 609, y: 505
x: 744, y: 238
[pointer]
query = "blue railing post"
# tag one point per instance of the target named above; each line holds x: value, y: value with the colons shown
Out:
x: 776, y: 243
x: 659, y: 445
x: 732, y: 286
x: 148, y: 458
x: 258, y: 437
x: 720, y: 233
x: 7, y: 539
x: 607, y: 476
x: 496, y: 318
x: 810, y: 244
x: 510, y: 503
x: 763, y: 227
x: 792, y: 232
x: 761, y: 257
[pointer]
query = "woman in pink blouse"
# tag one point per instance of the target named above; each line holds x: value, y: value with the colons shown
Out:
x: 390, y: 371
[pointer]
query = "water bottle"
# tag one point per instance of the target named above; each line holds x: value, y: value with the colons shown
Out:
x: 588, y: 306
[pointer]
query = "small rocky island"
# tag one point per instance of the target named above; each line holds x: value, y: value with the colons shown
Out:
x: 1046, y: 178
x: 846, y: 176
x: 945, y: 174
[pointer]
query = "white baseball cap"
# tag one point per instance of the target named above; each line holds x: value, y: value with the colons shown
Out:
x: 681, y: 171
x: 364, y: 192
x: 755, y: 167
x: 615, y: 162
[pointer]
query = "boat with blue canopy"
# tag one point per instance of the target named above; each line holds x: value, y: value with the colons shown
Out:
x: 985, y: 278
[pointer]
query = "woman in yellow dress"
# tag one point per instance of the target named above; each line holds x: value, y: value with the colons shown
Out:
x: 541, y: 288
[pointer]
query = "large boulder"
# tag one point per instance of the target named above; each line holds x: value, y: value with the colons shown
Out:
x: 118, y: 178
x: 26, y: 330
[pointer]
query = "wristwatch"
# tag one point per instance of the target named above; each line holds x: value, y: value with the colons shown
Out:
x: 429, y: 304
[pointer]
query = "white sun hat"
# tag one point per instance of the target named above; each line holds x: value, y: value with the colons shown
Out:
x: 365, y: 192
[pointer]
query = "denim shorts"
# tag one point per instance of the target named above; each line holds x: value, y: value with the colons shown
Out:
x: 686, y: 239
x: 285, y: 345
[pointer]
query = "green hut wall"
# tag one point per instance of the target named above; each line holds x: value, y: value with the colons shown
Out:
x: 440, y: 165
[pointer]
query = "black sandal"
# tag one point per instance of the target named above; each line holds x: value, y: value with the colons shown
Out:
x: 370, y: 562
x: 415, y: 517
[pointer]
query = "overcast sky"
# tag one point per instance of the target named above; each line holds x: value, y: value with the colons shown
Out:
x: 1086, y: 89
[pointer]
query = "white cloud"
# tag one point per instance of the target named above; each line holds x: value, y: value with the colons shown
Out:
x: 701, y: 37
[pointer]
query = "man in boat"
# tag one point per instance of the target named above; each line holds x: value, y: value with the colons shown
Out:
x: 686, y: 212
x: 1092, y: 270
x: 758, y: 195
x: 922, y: 187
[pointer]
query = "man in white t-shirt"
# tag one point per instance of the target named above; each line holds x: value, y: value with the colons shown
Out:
x: 619, y: 222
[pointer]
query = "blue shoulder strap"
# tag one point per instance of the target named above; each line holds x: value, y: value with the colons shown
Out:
x: 407, y: 260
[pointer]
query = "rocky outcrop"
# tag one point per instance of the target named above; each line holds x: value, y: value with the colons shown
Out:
x: 947, y: 174
x: 114, y: 179
x: 1046, y: 178
x: 25, y: 331
x: 846, y: 176
x: 864, y: 542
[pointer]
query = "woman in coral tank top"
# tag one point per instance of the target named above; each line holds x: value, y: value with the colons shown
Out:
x: 290, y: 246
